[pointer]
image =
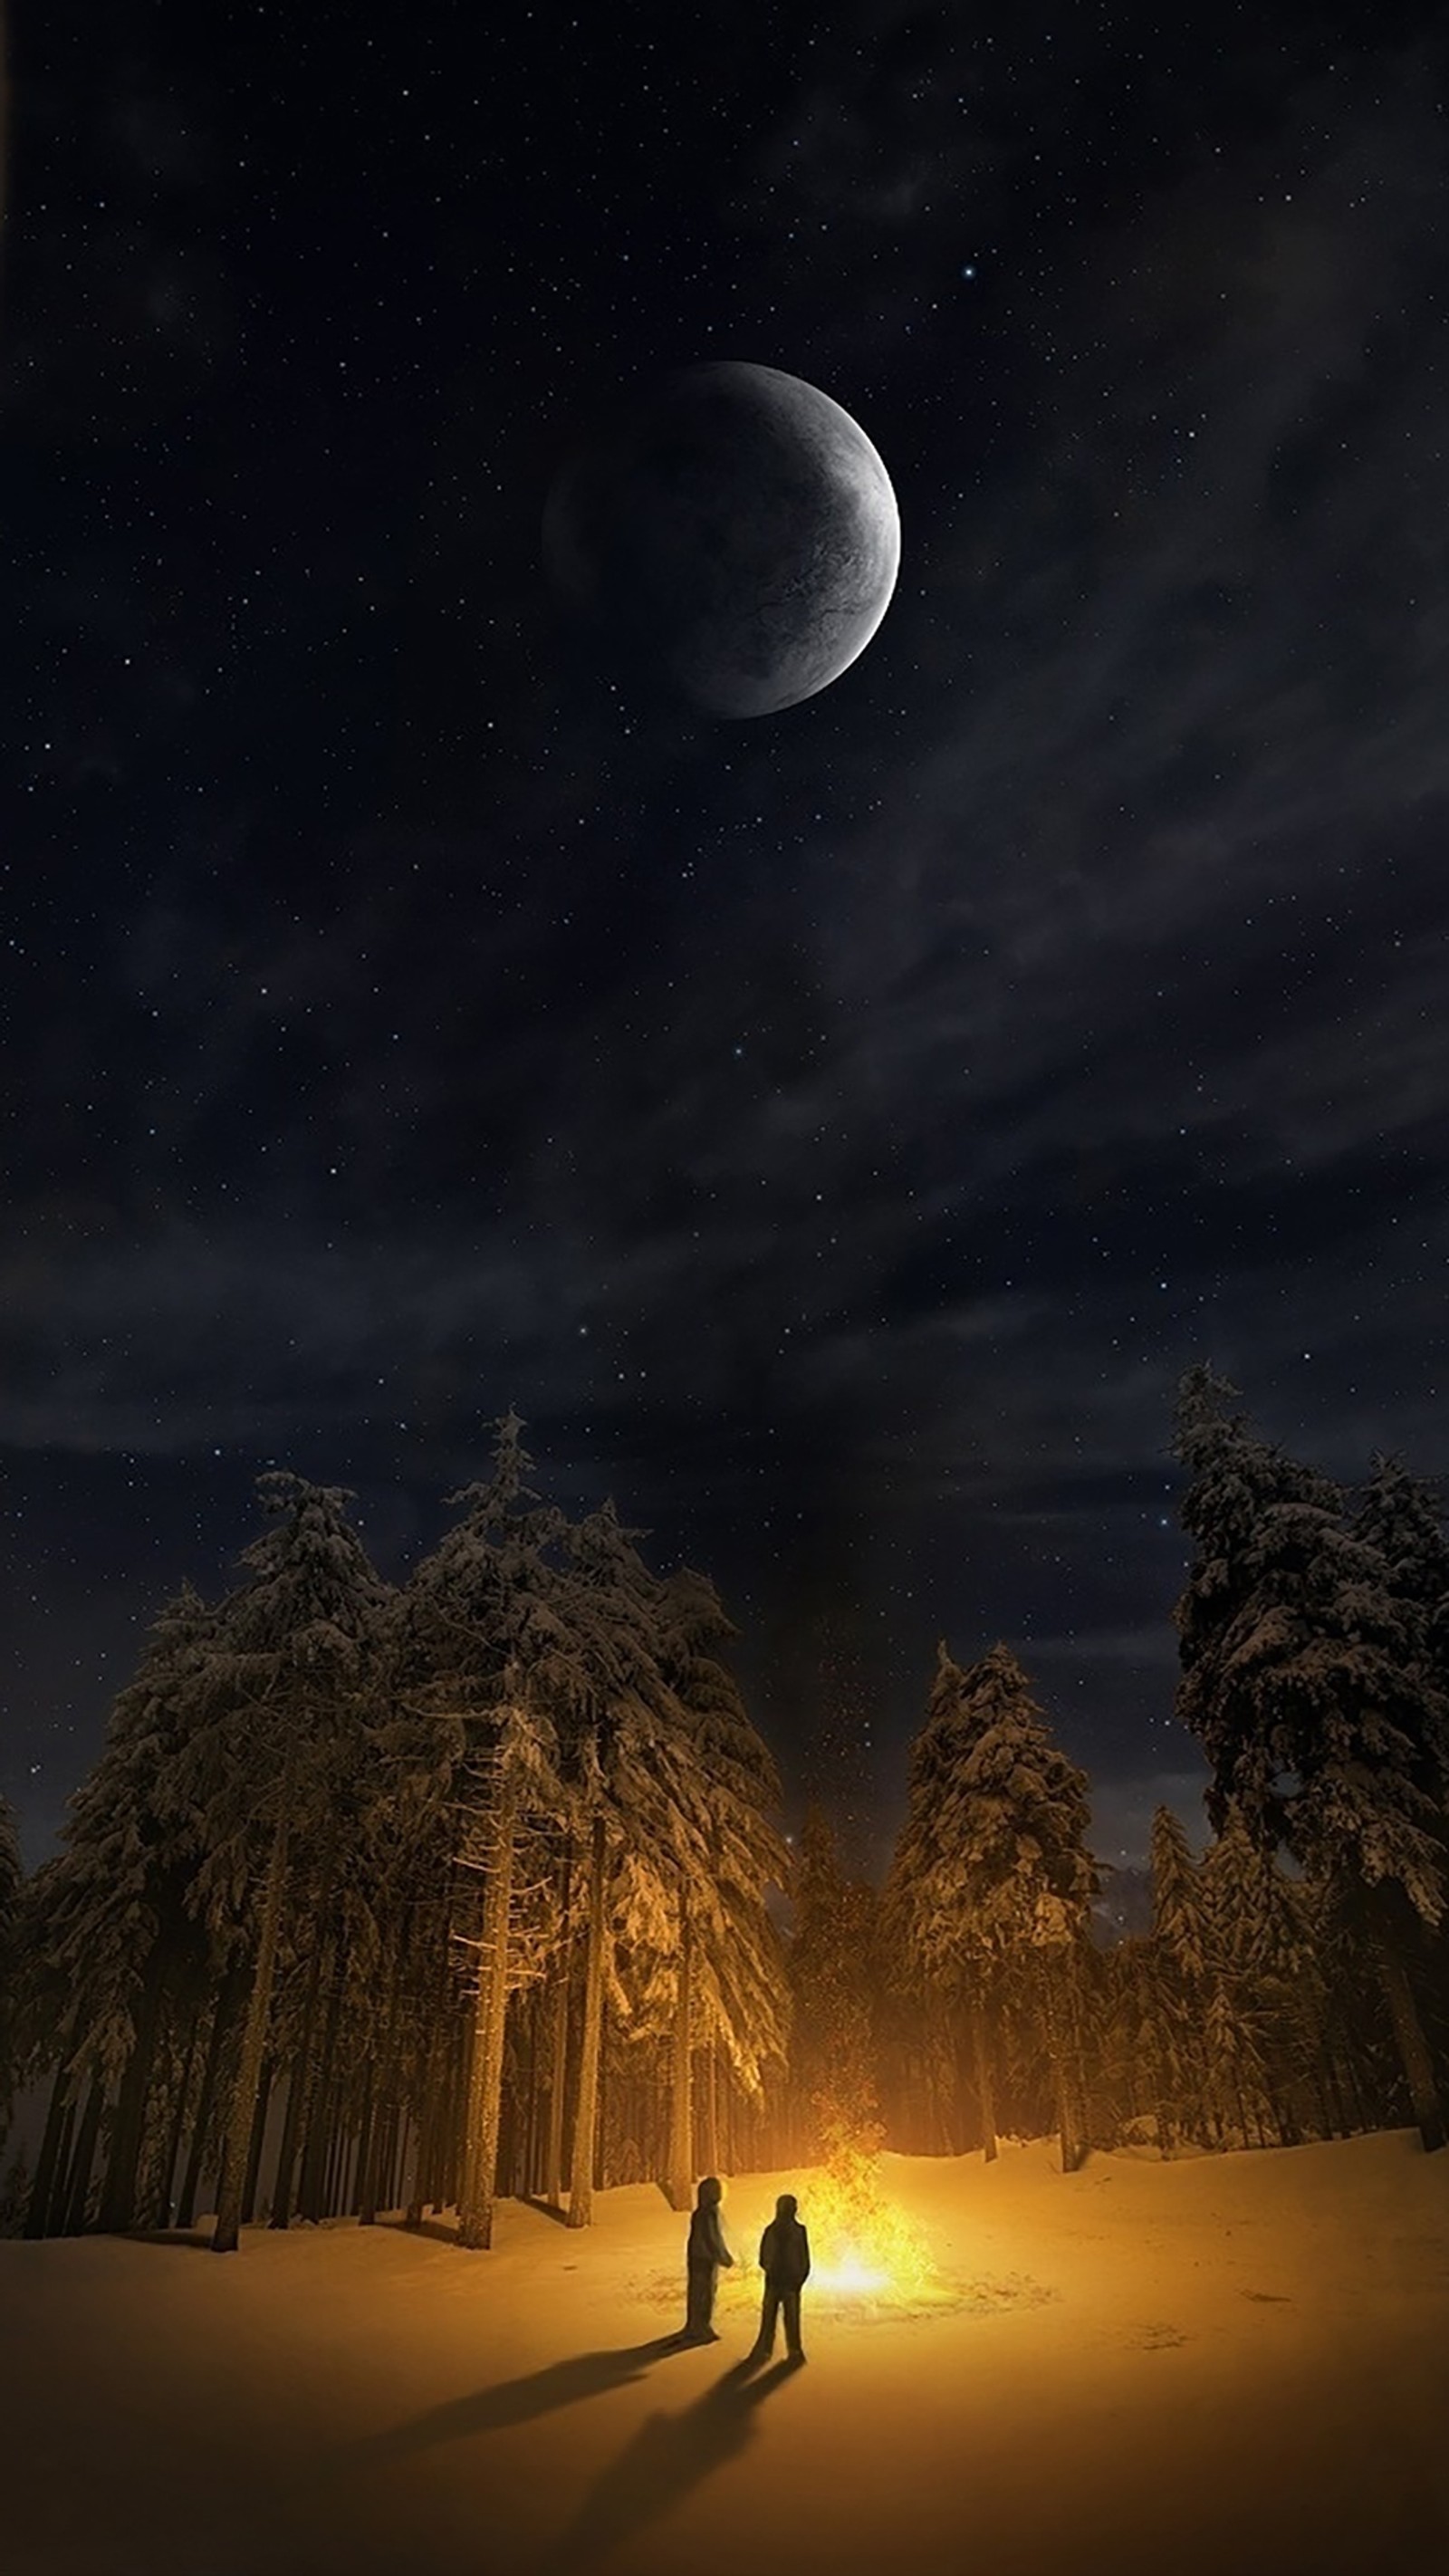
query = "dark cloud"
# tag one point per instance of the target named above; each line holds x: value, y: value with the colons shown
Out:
x: 836, y: 1134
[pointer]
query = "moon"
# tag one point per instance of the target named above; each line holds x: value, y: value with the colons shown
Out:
x: 735, y: 533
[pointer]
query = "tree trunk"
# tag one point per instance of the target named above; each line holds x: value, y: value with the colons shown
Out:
x: 459, y: 2085
x: 161, y: 2213
x: 1366, y: 2113
x: 364, y: 2194
x: 298, y: 2080
x: 435, y: 2129
x: 383, y: 2085
x: 1067, y: 2126
x: 553, y: 2182
x: 257, y: 2140
x: 340, y: 2190
x: 985, y: 2079
x: 1284, y: 2113
x: 227, y: 2231
x: 1413, y: 2047
x: 413, y: 2214
x: 601, y: 2116
x: 299, y: 2086
x: 321, y: 2105
x: 716, y: 2142
x: 338, y: 2151
x: 1337, y: 2121
x: 60, y: 2180
x: 525, y: 2170
x: 586, y: 2108
x: 681, y: 2094
x: 392, y: 2159
x: 1166, y: 2074
x: 430, y: 2108
x: 78, y: 2188
x: 485, y: 2089
x: 117, y: 2209
x: 443, y: 2121
x: 221, y: 2018
x: 49, y: 2161
x: 442, y: 2189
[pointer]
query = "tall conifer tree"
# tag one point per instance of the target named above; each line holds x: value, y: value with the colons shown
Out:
x: 285, y: 1698
x: 996, y: 1873
x: 108, y: 1923
x: 741, y: 1990
x: 1304, y: 1678
x: 478, y: 1646
x: 936, y: 1942
x: 1179, y: 1954
x: 636, y: 1766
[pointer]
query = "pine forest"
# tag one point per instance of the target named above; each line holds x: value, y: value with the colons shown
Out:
x: 405, y: 1898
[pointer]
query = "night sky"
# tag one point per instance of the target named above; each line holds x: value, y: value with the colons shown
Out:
x: 833, y: 1132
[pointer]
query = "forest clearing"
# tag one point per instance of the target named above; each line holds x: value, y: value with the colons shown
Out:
x: 1216, y: 2362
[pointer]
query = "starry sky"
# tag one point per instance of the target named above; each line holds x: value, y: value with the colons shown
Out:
x: 834, y: 1133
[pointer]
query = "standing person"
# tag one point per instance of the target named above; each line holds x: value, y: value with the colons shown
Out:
x: 785, y: 2262
x: 707, y: 2251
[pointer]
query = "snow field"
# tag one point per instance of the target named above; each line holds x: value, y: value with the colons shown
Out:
x: 1227, y: 2364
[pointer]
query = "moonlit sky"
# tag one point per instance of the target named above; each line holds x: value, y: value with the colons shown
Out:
x: 834, y: 1133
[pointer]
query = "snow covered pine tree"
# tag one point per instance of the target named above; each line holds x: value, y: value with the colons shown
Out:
x: 1306, y: 1677
x: 992, y: 1867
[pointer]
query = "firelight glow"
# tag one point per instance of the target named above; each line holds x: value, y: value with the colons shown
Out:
x: 851, y: 2276
x: 864, y: 2246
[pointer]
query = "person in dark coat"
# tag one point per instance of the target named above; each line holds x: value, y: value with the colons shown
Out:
x: 706, y: 2252
x: 785, y: 2262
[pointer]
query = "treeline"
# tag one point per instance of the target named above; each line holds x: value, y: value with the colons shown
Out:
x: 385, y: 1896
x: 973, y: 1999
x: 1295, y: 1982
x: 402, y: 1897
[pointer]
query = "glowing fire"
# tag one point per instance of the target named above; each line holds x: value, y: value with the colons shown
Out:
x: 863, y: 2247
x: 850, y: 2275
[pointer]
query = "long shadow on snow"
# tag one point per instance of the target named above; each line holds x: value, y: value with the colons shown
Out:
x: 668, y: 2456
x: 518, y: 2401
x: 192, y: 2240
x: 442, y: 2231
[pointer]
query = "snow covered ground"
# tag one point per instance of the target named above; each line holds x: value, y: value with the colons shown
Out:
x: 1236, y: 2364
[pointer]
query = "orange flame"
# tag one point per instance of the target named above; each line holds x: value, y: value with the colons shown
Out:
x: 863, y: 2246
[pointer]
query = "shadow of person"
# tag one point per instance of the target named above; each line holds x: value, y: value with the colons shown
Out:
x: 194, y: 2240
x: 668, y: 2457
x: 517, y: 2401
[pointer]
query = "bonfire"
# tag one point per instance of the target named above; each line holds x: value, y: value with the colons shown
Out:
x: 864, y: 2248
